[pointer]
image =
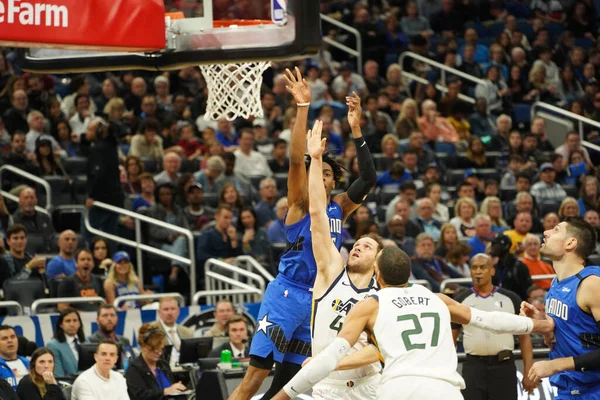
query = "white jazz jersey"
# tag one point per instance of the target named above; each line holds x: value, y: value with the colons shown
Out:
x: 329, y: 313
x: 413, y: 334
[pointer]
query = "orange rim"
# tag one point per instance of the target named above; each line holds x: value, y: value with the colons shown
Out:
x: 225, y: 23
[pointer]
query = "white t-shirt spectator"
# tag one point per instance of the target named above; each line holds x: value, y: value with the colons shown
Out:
x: 252, y: 164
x: 91, y: 386
x: 339, y: 85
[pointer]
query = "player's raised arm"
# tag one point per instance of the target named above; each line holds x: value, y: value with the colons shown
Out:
x: 361, y: 317
x: 360, y: 188
x: 328, y: 259
x: 297, y: 184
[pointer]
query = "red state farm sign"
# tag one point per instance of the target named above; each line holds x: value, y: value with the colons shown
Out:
x: 123, y: 25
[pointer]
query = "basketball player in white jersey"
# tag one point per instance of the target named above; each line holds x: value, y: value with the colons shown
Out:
x: 337, y: 288
x: 411, y: 328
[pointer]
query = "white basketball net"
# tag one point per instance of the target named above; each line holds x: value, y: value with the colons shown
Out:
x: 234, y: 89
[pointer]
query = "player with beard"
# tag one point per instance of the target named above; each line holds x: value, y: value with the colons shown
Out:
x: 337, y: 288
x: 574, y: 304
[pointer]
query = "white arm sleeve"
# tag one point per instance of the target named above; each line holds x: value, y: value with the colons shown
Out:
x: 318, y: 369
x: 501, y: 322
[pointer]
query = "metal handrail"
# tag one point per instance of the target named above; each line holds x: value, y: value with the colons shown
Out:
x: 235, y: 271
x: 220, y: 279
x: 442, y: 67
x: 356, y: 53
x: 439, y: 87
x: 446, y: 282
x: 221, y: 293
x: 580, y: 120
x: 153, y: 296
x: 423, y: 282
x: 31, y: 177
x: 249, y: 260
x: 59, y: 300
x: 14, y: 198
x: 139, y: 246
x: 12, y: 304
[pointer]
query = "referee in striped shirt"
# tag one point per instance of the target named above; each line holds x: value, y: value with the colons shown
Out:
x: 489, y: 370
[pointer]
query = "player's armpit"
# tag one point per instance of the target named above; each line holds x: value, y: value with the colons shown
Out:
x: 365, y: 356
x: 587, y: 296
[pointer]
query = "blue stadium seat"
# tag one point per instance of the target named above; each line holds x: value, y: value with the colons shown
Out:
x: 481, y: 30
x: 67, y: 217
x: 36, y: 244
x: 522, y: 113
x: 25, y: 292
x: 525, y: 27
x: 555, y: 29
x: 548, y: 207
x: 584, y: 42
x: 61, y: 189
x: 442, y: 147
x: 495, y: 28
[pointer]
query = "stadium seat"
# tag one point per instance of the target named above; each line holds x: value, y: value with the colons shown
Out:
x: 385, y: 196
x: 522, y: 113
x: 593, y: 259
x: 525, y: 27
x: 381, y: 213
x: 348, y: 244
x: 187, y: 166
x: 493, y: 156
x: 481, y: 30
x: 211, y: 199
x: 281, y: 180
x: 151, y: 165
x: 255, y: 180
x: 548, y: 207
x: 495, y: 28
x: 54, y: 284
x: 555, y: 29
x: 36, y: 244
x: 442, y: 147
x: 67, y: 217
x: 25, y: 292
x: 490, y: 173
x: 61, y: 189
x: 76, y: 165
x: 586, y: 43
x: 80, y: 189
x: 571, y: 190
x: 455, y: 176
x: 508, y: 193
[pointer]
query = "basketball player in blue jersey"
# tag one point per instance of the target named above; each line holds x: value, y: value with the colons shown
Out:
x: 283, y: 333
x: 573, y: 301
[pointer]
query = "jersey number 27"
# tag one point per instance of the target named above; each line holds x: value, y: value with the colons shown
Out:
x: 418, y: 329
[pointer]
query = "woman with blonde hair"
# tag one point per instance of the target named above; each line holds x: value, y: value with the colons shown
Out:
x: 568, y: 208
x: 389, y: 148
x: 408, y: 120
x: 448, y: 236
x: 122, y: 280
x: 464, y: 222
x: 492, y: 207
x: 539, y: 87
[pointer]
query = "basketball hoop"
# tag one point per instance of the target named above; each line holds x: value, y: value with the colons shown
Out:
x: 234, y: 88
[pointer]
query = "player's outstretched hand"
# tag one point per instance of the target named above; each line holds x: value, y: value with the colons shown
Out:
x: 541, y: 369
x: 528, y: 310
x: 528, y: 385
x: 297, y: 86
x: 314, y: 143
x: 354, y: 110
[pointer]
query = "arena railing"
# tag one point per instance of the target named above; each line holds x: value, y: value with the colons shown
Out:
x: 353, y: 31
x: 421, y: 282
x: 250, y: 264
x: 444, y: 70
x: 154, y: 296
x: 70, y: 300
x: 9, y: 304
x: 581, y: 121
x: 31, y: 177
x: 219, y: 274
x: 14, y: 198
x: 447, y: 282
x: 237, y: 296
x: 139, y: 246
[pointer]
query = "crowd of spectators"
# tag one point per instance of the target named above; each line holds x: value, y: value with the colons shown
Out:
x: 456, y: 177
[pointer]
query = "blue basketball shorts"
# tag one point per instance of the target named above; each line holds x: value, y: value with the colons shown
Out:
x: 284, y: 322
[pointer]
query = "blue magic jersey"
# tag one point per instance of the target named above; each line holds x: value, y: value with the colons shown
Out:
x: 298, y: 262
x: 576, y: 333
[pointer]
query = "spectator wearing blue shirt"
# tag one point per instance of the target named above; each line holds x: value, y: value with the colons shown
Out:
x: 482, y: 53
x: 63, y: 264
x: 483, y: 235
x: 146, y: 198
x: 393, y: 177
x: 226, y: 135
x: 276, y: 231
x: 12, y: 366
x: 264, y: 209
x: 497, y: 59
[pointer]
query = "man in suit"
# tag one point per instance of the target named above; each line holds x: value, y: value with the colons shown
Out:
x: 237, y: 330
x: 108, y: 320
x: 168, y: 313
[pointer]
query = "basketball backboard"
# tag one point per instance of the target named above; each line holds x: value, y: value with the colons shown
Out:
x: 203, y: 32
